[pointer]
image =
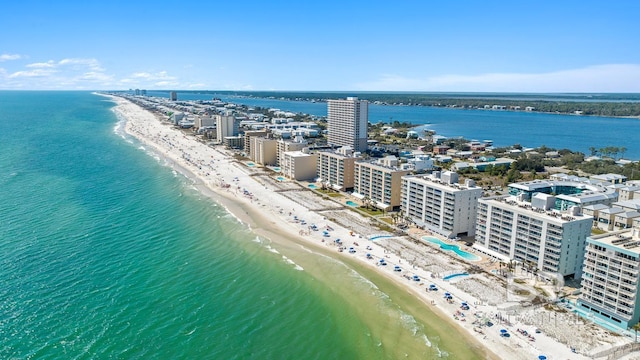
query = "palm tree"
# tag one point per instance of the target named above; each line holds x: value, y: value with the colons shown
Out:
x: 366, y: 201
x: 394, y: 218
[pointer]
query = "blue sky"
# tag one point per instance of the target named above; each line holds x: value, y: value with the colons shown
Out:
x: 492, y: 46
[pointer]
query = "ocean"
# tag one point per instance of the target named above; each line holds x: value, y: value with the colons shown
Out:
x: 505, y: 128
x: 106, y: 252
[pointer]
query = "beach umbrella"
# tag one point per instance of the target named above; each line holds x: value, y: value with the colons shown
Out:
x: 381, y: 260
x: 447, y: 294
x: 503, y: 330
x: 542, y: 357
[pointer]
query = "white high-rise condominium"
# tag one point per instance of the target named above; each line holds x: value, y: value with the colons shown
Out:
x: 348, y: 120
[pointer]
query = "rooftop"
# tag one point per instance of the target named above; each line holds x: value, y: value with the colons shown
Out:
x: 624, y: 240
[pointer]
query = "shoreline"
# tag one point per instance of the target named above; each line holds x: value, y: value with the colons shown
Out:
x: 263, y: 211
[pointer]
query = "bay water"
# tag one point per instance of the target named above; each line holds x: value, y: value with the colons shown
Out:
x: 503, y: 127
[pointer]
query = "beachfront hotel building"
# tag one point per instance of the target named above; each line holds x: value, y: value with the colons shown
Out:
x: 263, y: 150
x: 284, y: 146
x: 298, y: 165
x: 439, y: 203
x: 225, y: 126
x: 336, y: 168
x: 348, y: 120
x: 249, y: 134
x: 533, y: 232
x: 380, y: 181
x: 611, y: 273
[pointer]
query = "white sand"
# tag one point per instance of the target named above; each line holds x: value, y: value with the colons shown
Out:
x: 229, y: 182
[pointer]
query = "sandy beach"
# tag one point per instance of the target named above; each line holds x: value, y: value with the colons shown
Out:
x: 285, y: 212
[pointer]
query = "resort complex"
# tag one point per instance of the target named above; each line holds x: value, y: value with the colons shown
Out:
x: 563, y: 239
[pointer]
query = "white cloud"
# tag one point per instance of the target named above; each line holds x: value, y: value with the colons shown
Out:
x: 599, y: 78
x: 96, y: 76
x: 161, y: 75
x: 70, y: 73
x: 92, y: 64
x: 48, y: 64
x: 32, y: 73
x: 160, y: 79
x: 165, y: 83
x: 7, y: 57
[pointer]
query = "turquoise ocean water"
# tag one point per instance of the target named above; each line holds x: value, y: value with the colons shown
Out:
x: 105, y: 252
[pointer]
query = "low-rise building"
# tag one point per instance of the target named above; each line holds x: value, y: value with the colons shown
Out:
x: 568, y: 193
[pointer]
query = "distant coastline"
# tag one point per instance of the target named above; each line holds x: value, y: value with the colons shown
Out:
x: 605, y: 105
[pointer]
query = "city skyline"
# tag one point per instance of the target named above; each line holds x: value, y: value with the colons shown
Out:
x: 461, y: 46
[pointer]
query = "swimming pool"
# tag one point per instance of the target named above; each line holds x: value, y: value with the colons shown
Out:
x: 276, y: 169
x: 280, y: 178
x: 351, y: 203
x: 455, y: 248
x: 251, y: 164
x: 312, y: 186
x: 583, y: 313
x: 452, y: 276
x: 376, y: 237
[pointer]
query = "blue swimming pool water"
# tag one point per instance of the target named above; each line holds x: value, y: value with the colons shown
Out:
x: 376, y: 237
x: 597, y: 320
x: 251, y: 164
x: 449, y: 277
x: 455, y: 248
x: 351, y: 203
x: 276, y: 169
x: 312, y: 186
x: 280, y: 178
